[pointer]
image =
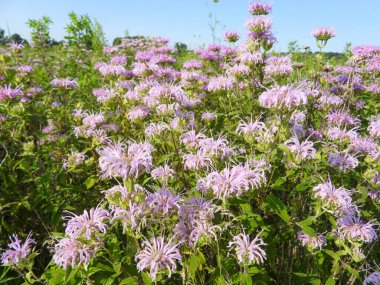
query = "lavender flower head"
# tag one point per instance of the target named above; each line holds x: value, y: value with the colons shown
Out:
x: 251, y: 58
x: 116, y: 161
x: 339, y: 134
x: 260, y: 24
x: 193, y: 64
x: 16, y: 46
x: 71, y: 252
x: 157, y: 255
x: 302, y: 150
x: 333, y: 198
x: 195, y: 221
x: 278, y: 66
x: 248, y: 252
x: 218, y: 83
x: 7, y: 92
x: 343, y: 161
x: 312, y: 242
x: 258, y: 8
x: 232, y: 181
x: 93, y: 119
x: 374, y: 127
x: 139, y: 112
x: 323, y: 33
x: 163, y: 173
x: 17, y: 251
x: 255, y: 130
x: 196, y: 161
x: 162, y: 202
x: 365, y: 51
x: 285, y: 97
x: 104, y: 94
x: 64, y: 82
x: 87, y: 225
x: 129, y: 216
x: 352, y: 229
x: 231, y: 37
x: 208, y: 116
x: 372, y: 279
x: 340, y: 117
x: 365, y: 145
x: 73, y: 160
x: 155, y: 129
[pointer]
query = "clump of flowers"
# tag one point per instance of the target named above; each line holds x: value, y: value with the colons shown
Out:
x: 87, y: 225
x: 169, y: 159
x: 302, y: 150
x: 196, y: 221
x: 163, y: 173
x: 17, y: 250
x: 120, y: 160
x: 247, y: 251
x: 233, y: 181
x: 157, y: 255
x: 231, y: 37
x: 312, y: 242
x: 372, y: 279
x: 258, y: 8
x: 351, y: 228
x: 259, y: 25
x: 343, y: 161
x: 278, y: 66
x: 74, y: 159
x: 333, y: 198
x: 283, y: 97
x: 66, y: 83
x: 322, y: 35
x: 70, y: 252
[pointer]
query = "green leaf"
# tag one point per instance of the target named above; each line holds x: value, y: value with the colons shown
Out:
x: 278, y: 207
x: 90, y: 181
x: 335, y: 255
x: 70, y: 274
x: 353, y: 272
x: 315, y: 282
x: 146, y: 278
x: 246, y: 207
x: 280, y: 181
x: 303, y: 186
x: 304, y: 225
x: 330, y: 281
x: 285, y: 149
x: 193, y: 265
x: 117, y: 267
x: 245, y: 279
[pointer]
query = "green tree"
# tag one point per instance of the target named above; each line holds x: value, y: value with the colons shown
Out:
x: 40, y: 34
x: 83, y: 31
x: 293, y: 47
x: 180, y: 48
x: 3, y: 38
x: 17, y: 39
x: 80, y: 30
x: 117, y: 41
x: 98, y: 38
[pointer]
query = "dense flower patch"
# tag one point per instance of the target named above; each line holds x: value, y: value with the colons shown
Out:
x: 230, y: 165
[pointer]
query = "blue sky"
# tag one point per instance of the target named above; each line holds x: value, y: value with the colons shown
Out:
x: 188, y: 21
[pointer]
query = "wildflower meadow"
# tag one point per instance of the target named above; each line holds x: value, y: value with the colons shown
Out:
x: 143, y: 163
